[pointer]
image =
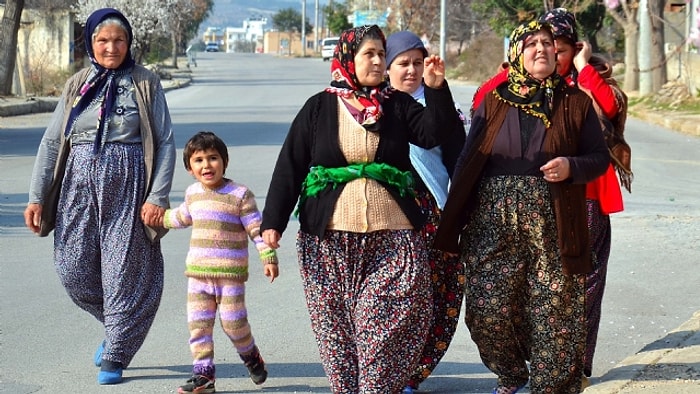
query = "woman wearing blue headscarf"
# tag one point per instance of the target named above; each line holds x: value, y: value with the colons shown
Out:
x: 101, y: 178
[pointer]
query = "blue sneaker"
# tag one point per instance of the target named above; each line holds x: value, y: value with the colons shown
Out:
x: 98, y: 354
x: 110, y: 377
x: 407, y: 390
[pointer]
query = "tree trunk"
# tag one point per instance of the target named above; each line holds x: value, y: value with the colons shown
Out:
x: 658, y: 53
x: 8, y: 44
x: 631, y: 29
x: 173, y: 38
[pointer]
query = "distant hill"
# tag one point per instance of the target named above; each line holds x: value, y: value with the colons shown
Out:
x: 232, y: 13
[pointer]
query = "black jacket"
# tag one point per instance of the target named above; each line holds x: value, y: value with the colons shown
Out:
x: 313, y: 140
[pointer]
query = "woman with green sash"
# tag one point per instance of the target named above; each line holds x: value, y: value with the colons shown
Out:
x: 362, y: 258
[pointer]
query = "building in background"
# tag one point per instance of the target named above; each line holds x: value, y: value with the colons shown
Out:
x: 288, y: 43
x: 247, y: 38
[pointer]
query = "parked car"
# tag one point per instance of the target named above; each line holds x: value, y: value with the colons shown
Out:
x: 327, y: 47
x: 212, y: 47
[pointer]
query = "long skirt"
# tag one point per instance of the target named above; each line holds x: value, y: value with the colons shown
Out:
x: 367, y: 295
x: 102, y: 255
x: 599, y: 229
x: 520, y: 306
x: 447, y: 277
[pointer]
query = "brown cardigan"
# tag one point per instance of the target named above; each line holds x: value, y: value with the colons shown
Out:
x: 569, y: 115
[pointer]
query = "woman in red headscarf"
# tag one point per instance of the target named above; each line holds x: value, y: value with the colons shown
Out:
x: 362, y: 257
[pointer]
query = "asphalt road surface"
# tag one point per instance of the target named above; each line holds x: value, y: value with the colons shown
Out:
x: 47, y: 343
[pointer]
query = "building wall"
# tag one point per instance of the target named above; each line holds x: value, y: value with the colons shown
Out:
x: 46, y: 40
x: 285, y: 43
x: 45, y: 46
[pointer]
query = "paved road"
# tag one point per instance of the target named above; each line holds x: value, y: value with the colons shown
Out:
x: 47, y: 343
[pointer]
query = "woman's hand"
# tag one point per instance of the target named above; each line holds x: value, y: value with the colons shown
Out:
x: 434, y: 73
x: 583, y: 55
x: 271, y: 238
x: 152, y: 215
x: 32, y: 217
x: 556, y: 170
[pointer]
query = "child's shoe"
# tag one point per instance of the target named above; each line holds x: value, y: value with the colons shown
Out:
x: 198, y: 384
x: 256, y: 366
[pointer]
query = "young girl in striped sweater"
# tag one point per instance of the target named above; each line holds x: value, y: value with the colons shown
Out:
x: 223, y: 215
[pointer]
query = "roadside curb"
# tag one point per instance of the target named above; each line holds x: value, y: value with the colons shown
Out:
x: 36, y: 105
x: 686, y: 123
x: 32, y: 105
x: 657, y: 364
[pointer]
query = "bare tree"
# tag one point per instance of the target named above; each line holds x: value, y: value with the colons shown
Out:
x: 147, y: 19
x: 658, y: 39
x: 464, y: 23
x: 179, y: 12
x: 418, y: 16
x: 8, y: 43
x: 625, y: 13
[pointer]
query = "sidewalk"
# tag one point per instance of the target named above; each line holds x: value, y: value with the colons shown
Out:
x: 15, y: 106
x: 669, y: 365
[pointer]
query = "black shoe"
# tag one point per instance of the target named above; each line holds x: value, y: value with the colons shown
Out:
x: 256, y: 366
x: 198, y: 384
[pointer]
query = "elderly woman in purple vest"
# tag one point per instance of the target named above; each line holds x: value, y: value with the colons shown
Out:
x: 517, y: 217
x: 102, y: 177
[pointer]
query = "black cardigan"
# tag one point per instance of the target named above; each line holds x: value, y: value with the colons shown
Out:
x: 313, y: 140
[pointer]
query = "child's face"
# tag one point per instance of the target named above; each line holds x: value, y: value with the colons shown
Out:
x: 208, y: 167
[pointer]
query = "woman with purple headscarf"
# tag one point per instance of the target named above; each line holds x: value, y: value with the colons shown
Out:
x: 362, y: 258
x: 101, y: 179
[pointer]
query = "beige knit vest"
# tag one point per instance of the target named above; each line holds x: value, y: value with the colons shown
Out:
x: 364, y: 205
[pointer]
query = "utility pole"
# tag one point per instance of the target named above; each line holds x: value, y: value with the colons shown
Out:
x: 644, y: 49
x: 328, y: 28
x: 303, y: 28
x: 443, y: 28
x: 316, y: 26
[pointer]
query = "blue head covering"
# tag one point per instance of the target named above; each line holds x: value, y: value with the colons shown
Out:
x: 102, y: 85
x: 98, y: 17
x: 401, y: 42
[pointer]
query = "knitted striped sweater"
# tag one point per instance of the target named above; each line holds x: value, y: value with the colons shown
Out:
x: 222, y: 220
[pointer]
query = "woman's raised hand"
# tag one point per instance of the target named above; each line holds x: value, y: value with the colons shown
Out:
x: 434, y: 74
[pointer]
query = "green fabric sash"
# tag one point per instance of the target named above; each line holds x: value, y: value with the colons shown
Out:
x: 319, y: 178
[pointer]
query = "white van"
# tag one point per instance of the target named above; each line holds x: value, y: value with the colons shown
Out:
x: 327, y: 47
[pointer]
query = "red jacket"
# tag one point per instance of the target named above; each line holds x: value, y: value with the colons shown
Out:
x: 606, y: 188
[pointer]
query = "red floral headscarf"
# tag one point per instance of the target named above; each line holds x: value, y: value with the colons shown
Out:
x: 344, y: 81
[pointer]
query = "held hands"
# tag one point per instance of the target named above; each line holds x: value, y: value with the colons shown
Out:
x: 271, y: 238
x: 32, y: 217
x: 556, y: 170
x: 583, y: 54
x: 434, y: 73
x: 152, y: 215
